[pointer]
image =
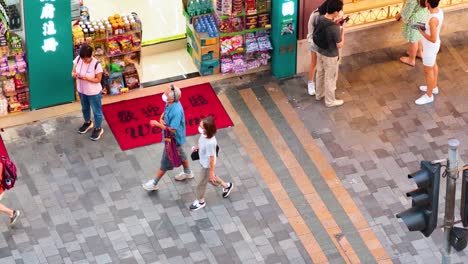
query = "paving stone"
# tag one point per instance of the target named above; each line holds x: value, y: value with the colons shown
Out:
x: 83, y: 203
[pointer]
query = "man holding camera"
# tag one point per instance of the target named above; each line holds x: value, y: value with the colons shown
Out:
x: 329, y: 37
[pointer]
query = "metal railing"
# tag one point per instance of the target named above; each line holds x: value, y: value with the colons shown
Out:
x: 371, y: 15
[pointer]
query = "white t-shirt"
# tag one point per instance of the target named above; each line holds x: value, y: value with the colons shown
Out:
x: 206, y: 149
x: 88, y: 70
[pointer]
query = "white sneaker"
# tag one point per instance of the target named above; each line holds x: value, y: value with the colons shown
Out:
x: 150, y: 186
x: 424, y: 89
x: 311, y: 88
x: 182, y: 176
x: 424, y: 99
x: 196, y: 205
x: 336, y: 103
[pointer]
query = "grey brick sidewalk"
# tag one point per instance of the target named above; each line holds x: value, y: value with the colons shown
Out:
x: 83, y: 203
x: 379, y: 136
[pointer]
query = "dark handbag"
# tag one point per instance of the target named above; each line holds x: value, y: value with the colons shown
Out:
x: 171, y: 149
x: 196, y: 156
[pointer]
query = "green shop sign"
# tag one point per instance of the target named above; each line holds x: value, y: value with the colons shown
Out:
x: 49, y: 52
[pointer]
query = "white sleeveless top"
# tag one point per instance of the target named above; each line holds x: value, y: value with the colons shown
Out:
x: 440, y: 16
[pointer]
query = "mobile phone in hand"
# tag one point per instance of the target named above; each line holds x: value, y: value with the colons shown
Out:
x: 418, y: 25
x: 346, y: 19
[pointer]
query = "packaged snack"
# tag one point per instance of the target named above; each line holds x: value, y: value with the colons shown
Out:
x: 237, y: 6
x: 130, y: 58
x: 237, y: 42
x: 129, y: 69
x: 251, y: 45
x: 250, y: 6
x: 125, y: 44
x: 20, y: 81
x: 263, y: 20
x: 237, y: 24
x: 136, y: 42
x: 226, y: 64
x: 224, y: 25
x: 99, y: 49
x: 113, y: 47
x: 226, y: 7
x: 262, y: 6
x: 9, y: 85
x: 239, y: 65
x: 116, y: 65
x: 264, y: 43
x: 226, y: 45
x: 132, y: 80
x: 116, y: 83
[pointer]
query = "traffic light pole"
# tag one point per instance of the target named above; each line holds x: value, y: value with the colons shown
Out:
x: 450, y: 197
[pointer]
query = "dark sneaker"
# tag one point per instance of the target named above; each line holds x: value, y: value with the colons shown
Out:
x: 197, y: 205
x: 85, y: 127
x: 227, y: 191
x: 15, y: 216
x: 97, y: 133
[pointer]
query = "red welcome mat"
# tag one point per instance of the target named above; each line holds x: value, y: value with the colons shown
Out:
x: 3, y: 151
x: 129, y: 120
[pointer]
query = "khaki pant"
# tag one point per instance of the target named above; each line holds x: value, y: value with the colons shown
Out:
x: 327, y: 75
x: 204, y: 179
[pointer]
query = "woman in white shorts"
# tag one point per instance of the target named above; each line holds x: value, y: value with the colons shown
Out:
x: 431, y: 46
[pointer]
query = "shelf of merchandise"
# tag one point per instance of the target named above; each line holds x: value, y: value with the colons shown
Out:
x: 106, y: 58
x: 253, y: 30
x: 122, y: 54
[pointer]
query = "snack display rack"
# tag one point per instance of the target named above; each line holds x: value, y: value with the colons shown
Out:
x: 14, y: 91
x: 116, y: 41
x: 239, y: 41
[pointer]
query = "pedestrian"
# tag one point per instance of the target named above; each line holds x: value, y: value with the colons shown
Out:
x: 328, y: 58
x: 207, y: 152
x: 172, y: 119
x: 13, y: 214
x: 88, y: 73
x: 320, y: 11
x: 431, y: 46
x: 413, y: 11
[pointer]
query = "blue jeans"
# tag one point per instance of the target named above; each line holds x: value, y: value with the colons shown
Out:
x: 89, y: 102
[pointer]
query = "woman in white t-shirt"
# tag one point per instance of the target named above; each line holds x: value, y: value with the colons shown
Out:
x: 88, y: 73
x: 431, y: 46
x: 207, y: 151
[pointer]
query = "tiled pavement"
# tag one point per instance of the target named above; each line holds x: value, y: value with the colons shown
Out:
x: 83, y: 203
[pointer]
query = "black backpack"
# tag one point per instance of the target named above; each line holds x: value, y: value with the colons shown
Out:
x: 320, y: 36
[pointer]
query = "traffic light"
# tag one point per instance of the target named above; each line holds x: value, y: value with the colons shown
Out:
x: 464, y: 198
x: 422, y: 216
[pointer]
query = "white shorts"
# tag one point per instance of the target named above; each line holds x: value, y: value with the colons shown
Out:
x: 430, y: 54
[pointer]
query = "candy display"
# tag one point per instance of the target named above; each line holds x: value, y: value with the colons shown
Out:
x: 14, y: 91
x: 117, y: 45
x: 243, y: 29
